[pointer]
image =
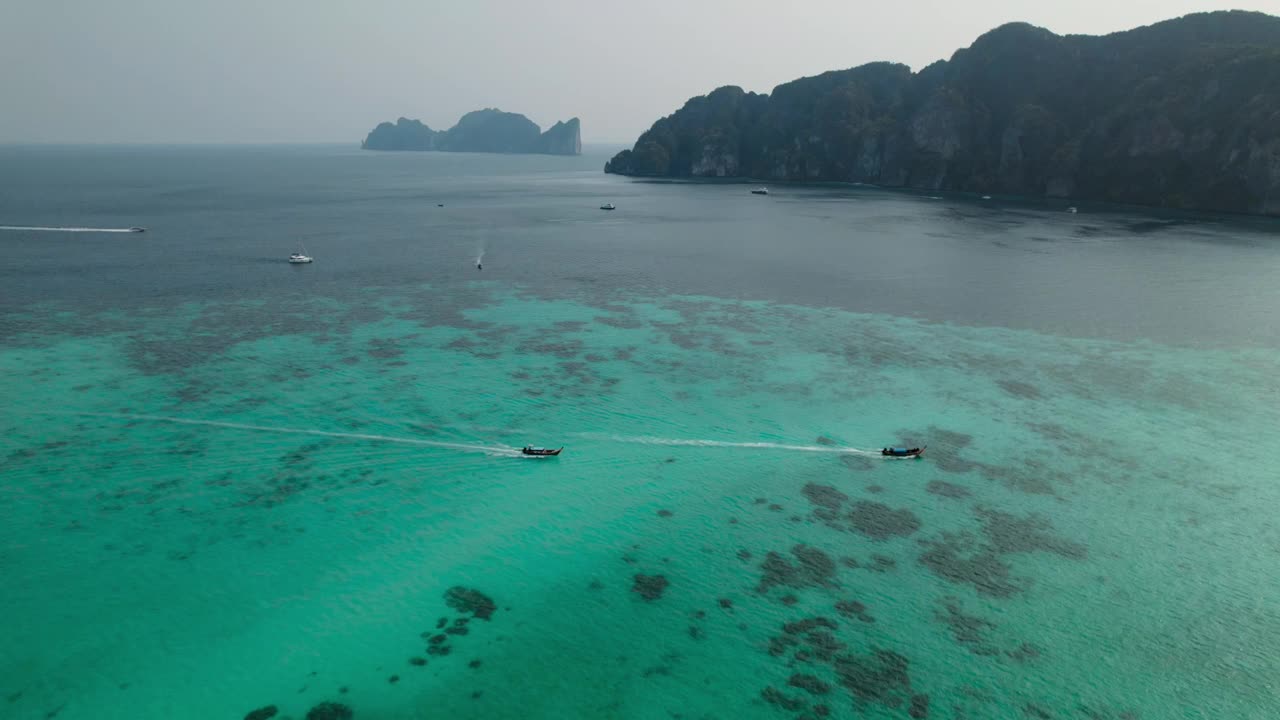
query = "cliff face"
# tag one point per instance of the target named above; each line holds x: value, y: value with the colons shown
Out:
x: 404, y: 134
x: 563, y: 138
x: 1185, y: 113
x: 486, y: 130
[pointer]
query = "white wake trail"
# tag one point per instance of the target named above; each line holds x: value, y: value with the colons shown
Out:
x: 35, y: 228
x: 466, y: 447
x: 647, y: 440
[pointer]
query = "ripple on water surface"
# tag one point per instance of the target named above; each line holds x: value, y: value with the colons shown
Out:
x: 318, y: 511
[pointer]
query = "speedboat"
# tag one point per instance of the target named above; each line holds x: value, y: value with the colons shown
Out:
x: 903, y: 452
x: 1073, y: 210
x: 540, y: 452
x: 137, y: 229
x: 608, y: 206
x: 299, y: 259
x: 760, y: 191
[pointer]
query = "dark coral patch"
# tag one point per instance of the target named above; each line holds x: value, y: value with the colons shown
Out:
x: 1032, y: 710
x: 650, y: 587
x: 947, y: 490
x: 958, y: 557
x: 458, y: 630
x: 774, y: 696
x: 438, y: 650
x: 418, y: 661
x: 469, y: 600
x: 814, y: 568
x: 262, y: 713
x: 824, y: 496
x: 1026, y: 652
x: 854, y: 609
x: 919, y: 707
x: 330, y: 711
x: 1019, y: 389
x: 881, y: 522
x: 384, y: 349
x: 665, y: 513
x: 814, y: 633
x: 393, y: 679
x: 881, y: 676
x: 955, y: 558
x: 850, y: 608
x: 880, y: 563
x: 857, y: 462
x: 809, y: 683
x: 968, y: 630
x: 1011, y: 534
x: 800, y: 627
x: 726, y: 603
x: 824, y: 440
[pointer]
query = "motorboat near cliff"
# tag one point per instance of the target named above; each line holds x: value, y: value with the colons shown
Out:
x: 608, y: 206
x: 540, y: 452
x: 760, y: 191
x: 900, y: 452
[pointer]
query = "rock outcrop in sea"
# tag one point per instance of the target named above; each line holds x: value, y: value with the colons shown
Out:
x: 488, y: 130
x: 1181, y: 114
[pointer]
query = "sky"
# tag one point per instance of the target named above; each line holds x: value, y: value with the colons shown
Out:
x: 266, y: 71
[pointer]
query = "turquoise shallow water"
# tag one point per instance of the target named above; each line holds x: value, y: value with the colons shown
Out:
x: 217, y: 500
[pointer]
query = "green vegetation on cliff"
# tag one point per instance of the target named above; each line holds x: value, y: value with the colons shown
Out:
x: 1184, y: 113
x: 486, y: 130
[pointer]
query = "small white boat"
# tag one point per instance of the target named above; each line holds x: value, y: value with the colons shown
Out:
x: 301, y: 257
x: 986, y: 197
x: 1072, y: 210
x: 608, y: 206
x: 760, y: 191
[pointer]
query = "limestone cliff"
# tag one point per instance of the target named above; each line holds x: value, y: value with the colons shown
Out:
x: 563, y: 138
x: 488, y: 130
x: 1184, y: 113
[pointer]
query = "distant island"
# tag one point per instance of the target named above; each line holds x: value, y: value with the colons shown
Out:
x: 489, y: 130
x: 1180, y: 114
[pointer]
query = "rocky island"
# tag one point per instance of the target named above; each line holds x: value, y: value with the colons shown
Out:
x: 488, y: 130
x: 1180, y: 114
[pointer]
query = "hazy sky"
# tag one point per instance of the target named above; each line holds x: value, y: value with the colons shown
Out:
x: 319, y: 71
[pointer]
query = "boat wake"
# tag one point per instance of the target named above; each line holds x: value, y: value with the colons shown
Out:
x: 35, y: 228
x: 494, y: 450
x: 646, y: 440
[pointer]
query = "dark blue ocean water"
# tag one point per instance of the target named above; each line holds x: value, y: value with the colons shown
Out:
x: 220, y: 218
